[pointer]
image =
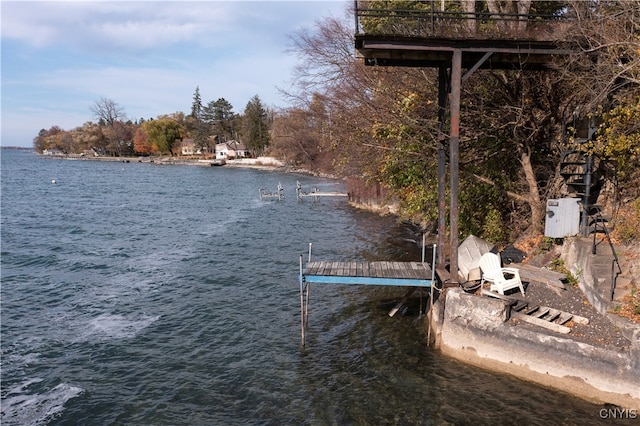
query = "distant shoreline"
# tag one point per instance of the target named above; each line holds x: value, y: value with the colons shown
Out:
x: 269, y: 163
x: 263, y: 163
x: 17, y: 148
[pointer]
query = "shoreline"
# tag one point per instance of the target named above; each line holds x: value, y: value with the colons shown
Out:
x: 269, y: 163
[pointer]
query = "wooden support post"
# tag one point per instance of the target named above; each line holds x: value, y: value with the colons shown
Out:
x: 456, y: 82
x: 443, y: 82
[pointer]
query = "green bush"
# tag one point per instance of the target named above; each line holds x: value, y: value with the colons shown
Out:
x: 493, y: 229
x: 559, y: 266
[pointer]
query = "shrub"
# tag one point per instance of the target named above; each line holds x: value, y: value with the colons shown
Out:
x: 627, y: 223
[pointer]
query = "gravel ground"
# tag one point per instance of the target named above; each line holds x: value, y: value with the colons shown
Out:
x: 599, y: 332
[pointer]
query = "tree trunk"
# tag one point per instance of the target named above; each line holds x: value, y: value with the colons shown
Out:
x: 523, y: 9
x: 469, y: 7
x: 536, y: 205
x: 496, y: 9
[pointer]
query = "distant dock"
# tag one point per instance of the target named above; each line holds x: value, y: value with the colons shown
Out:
x: 316, y: 193
x: 278, y: 195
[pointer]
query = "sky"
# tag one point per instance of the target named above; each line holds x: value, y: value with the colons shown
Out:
x: 60, y: 57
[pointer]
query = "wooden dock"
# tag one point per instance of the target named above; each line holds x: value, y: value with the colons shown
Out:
x: 413, y: 274
x: 408, y: 274
x: 319, y: 194
x: 316, y: 193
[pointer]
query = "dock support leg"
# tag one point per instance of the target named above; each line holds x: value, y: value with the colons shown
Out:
x: 302, y: 304
x: 306, y: 305
x: 433, y: 277
x: 308, y: 288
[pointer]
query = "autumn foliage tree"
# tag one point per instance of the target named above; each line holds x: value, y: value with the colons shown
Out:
x: 163, y: 133
x: 48, y: 139
x: 141, y: 143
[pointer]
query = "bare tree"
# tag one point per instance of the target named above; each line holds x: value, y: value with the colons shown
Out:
x: 107, y: 111
x: 607, y: 33
x: 605, y: 77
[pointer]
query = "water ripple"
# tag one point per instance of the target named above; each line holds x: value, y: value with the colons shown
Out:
x: 140, y: 294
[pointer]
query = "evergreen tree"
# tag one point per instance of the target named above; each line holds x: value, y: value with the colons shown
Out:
x: 196, y: 126
x: 196, y: 105
x: 254, y: 126
x: 220, y: 117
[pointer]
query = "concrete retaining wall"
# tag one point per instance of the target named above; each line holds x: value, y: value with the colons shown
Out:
x: 472, y: 329
x: 578, y: 259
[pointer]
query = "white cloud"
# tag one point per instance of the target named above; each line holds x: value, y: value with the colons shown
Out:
x: 130, y: 25
x: 60, y: 57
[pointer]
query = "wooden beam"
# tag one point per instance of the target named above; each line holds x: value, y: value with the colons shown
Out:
x: 402, y: 302
x: 545, y: 276
x: 540, y: 322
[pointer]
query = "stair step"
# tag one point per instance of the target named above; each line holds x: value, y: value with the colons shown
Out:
x: 520, y: 305
x: 553, y: 315
x: 620, y: 293
x: 531, y: 310
x: 564, y: 318
x: 624, y: 281
x: 541, y: 313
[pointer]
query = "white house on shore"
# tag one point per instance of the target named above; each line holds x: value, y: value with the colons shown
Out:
x: 52, y: 152
x: 230, y: 150
x: 224, y: 151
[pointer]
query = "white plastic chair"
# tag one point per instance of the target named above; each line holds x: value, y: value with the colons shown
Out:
x: 493, y: 272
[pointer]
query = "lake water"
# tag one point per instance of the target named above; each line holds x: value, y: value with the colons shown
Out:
x: 142, y: 294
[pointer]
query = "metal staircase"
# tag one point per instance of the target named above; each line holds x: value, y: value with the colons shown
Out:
x: 584, y: 177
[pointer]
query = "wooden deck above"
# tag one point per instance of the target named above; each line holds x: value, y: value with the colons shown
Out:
x: 415, y: 274
x: 424, y: 34
x: 434, y: 52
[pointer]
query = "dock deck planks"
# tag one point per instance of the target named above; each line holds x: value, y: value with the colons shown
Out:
x: 374, y: 273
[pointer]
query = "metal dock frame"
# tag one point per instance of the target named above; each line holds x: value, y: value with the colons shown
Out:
x: 405, y: 274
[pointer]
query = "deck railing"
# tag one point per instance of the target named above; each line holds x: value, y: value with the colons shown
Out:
x: 427, y: 20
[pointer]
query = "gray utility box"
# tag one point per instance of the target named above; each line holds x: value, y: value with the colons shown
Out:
x: 563, y: 218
